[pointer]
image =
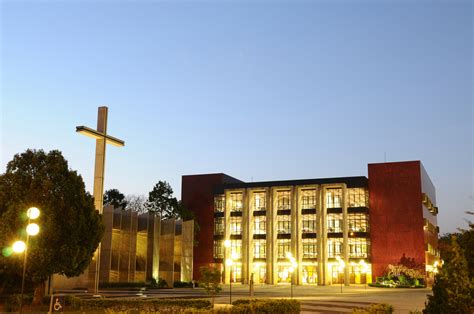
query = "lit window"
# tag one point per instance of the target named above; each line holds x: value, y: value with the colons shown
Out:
x: 334, y: 222
x: 218, y: 249
x: 219, y: 225
x: 309, y: 223
x: 334, y: 198
x: 283, y: 200
x: 219, y: 203
x: 358, y: 247
x: 236, y: 203
x: 283, y: 224
x: 259, y: 225
x: 284, y: 274
x: 259, y: 248
x: 310, y: 274
x: 236, y: 248
x: 308, y: 199
x: 235, y: 225
x: 358, y: 197
x: 236, y: 273
x: 335, y: 247
x: 284, y: 246
x: 309, y: 248
x: 358, y: 223
x: 259, y: 201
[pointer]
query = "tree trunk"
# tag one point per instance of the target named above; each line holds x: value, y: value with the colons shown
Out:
x: 39, y: 293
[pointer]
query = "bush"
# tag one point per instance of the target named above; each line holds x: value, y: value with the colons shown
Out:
x: 182, y: 284
x: 145, y: 305
x: 381, y: 308
x: 274, y: 306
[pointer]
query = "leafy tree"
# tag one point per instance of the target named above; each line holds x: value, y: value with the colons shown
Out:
x: 115, y: 198
x: 161, y: 200
x: 210, y: 281
x: 70, y: 227
x: 452, y: 289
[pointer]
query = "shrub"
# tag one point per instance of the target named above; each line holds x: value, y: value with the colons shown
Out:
x: 12, y: 304
x: 182, y: 284
x: 266, y: 306
x: 122, y: 285
x: 381, y: 308
x: 146, y: 305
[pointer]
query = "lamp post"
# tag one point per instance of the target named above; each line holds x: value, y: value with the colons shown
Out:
x: 32, y: 229
x: 341, y: 266
x: 292, y: 268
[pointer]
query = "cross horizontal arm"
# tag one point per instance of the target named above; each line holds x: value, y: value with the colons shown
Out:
x: 99, y: 135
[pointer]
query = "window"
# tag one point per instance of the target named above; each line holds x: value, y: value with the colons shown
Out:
x: 259, y: 248
x: 284, y: 274
x: 333, y: 198
x: 310, y: 274
x: 235, y: 225
x: 236, y: 203
x: 334, y: 247
x: 219, y: 225
x: 334, y: 222
x: 236, y: 248
x: 358, y: 197
x: 236, y: 273
x: 309, y: 224
x: 259, y: 201
x: 219, y: 203
x: 283, y: 200
x: 358, y: 223
x: 283, y: 247
x: 259, y: 225
x: 283, y: 224
x: 308, y: 199
x: 309, y: 248
x: 218, y: 249
x: 358, y: 248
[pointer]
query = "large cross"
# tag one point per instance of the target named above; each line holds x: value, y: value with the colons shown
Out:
x: 101, y: 141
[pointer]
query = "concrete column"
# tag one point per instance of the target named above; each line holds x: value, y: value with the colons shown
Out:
x: 345, y: 230
x: 295, y: 232
x: 273, y: 238
x: 227, y: 250
x: 246, y: 230
x: 270, y: 240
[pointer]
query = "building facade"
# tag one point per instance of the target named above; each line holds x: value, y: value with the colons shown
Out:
x: 316, y: 231
x: 139, y: 248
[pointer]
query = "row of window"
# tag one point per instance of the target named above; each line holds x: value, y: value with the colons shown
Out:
x: 358, y: 248
x: 356, y: 222
x: 357, y: 197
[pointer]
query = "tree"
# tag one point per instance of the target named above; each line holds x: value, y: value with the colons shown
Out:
x: 452, y: 288
x: 210, y: 281
x: 161, y: 200
x: 115, y: 198
x: 70, y: 227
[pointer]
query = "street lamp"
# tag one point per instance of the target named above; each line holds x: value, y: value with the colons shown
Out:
x: 340, y: 267
x: 364, y: 270
x: 32, y: 229
x: 292, y: 268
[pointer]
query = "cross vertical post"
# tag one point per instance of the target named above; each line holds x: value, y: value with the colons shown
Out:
x: 102, y: 139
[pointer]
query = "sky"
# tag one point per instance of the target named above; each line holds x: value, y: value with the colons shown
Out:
x: 259, y: 90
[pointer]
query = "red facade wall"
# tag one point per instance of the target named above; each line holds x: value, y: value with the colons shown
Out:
x: 396, y: 214
x: 197, y: 195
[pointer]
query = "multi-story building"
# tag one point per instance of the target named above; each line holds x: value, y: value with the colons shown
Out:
x: 314, y: 231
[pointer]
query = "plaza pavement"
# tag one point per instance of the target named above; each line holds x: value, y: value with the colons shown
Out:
x: 314, y: 299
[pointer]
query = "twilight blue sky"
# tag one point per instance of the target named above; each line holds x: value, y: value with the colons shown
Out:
x: 259, y: 90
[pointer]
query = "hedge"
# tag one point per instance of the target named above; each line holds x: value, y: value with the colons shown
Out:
x: 265, y: 306
x: 147, y: 305
x: 381, y: 308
